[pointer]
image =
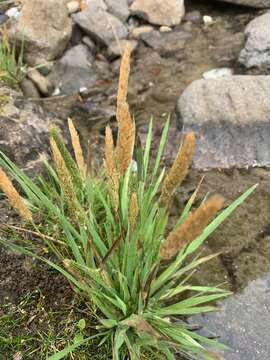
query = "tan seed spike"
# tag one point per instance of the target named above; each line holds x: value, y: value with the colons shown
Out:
x: 179, y: 169
x: 133, y: 210
x: 65, y: 177
x: 124, y: 75
x: 13, y: 196
x: 77, y: 148
x: 126, y: 138
x: 192, y: 227
x: 111, y: 168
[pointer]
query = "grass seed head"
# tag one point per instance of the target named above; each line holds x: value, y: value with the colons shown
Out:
x: 124, y: 76
x: 13, y: 196
x: 133, y: 210
x: 77, y: 148
x: 192, y: 227
x: 179, y: 169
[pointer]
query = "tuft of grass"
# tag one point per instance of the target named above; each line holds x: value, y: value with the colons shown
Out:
x: 12, y: 68
x: 108, y: 234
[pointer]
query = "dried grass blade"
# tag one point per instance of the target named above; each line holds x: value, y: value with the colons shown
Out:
x: 111, y: 168
x: 13, y: 196
x: 77, y: 148
x: 192, y: 227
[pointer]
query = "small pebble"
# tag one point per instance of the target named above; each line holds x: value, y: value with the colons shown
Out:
x: 13, y: 12
x: 165, y: 28
x: 73, y: 7
x: 208, y: 20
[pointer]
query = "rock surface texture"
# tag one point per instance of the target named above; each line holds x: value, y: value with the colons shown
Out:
x: 235, y: 325
x: 257, y: 48
x: 231, y: 117
x: 261, y: 4
x: 24, y: 136
x: 159, y: 12
x: 102, y: 26
x: 44, y: 28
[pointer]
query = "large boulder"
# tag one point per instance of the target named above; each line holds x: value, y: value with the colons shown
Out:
x: 99, y: 24
x: 231, y: 117
x: 43, y: 28
x: 159, y: 12
x: 261, y: 4
x: 24, y: 131
x: 256, y: 52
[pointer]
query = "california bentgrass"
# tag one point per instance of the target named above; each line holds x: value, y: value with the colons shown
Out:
x: 112, y: 237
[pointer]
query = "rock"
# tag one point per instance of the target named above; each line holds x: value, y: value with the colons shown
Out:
x: 29, y: 89
x: 13, y: 12
x: 136, y: 32
x: 99, y: 24
x: 118, y: 8
x: 261, y: 4
x: 44, y: 29
x: 167, y: 43
x: 234, y: 325
x: 3, y: 18
x: 208, y: 20
x: 256, y: 51
x: 117, y: 47
x: 24, y: 135
x: 159, y: 12
x: 73, y: 7
x: 218, y: 73
x: 42, y: 83
x: 194, y: 16
x: 90, y: 44
x: 231, y: 117
x: 74, y: 70
x: 165, y: 28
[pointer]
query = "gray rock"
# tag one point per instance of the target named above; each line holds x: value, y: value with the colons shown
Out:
x: 100, y: 25
x: 231, y: 117
x: 42, y: 83
x: 24, y: 131
x: 43, y: 27
x: 243, y: 323
x: 118, y: 8
x: 159, y: 12
x: 167, y: 43
x: 256, y: 52
x: 90, y: 44
x: 194, y: 16
x: 75, y: 70
x: 261, y: 4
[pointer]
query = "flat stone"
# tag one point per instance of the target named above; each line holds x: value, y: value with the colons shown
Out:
x: 100, y: 25
x: 166, y: 43
x: 118, y: 8
x: 243, y: 322
x: 44, y: 28
x: 42, y: 83
x: 261, y: 4
x: 29, y: 89
x: 231, y: 118
x: 159, y: 12
x: 256, y: 52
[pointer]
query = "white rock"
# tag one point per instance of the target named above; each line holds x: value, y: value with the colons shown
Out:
x: 73, y: 6
x: 208, y: 20
x: 218, y: 73
x: 165, y: 28
x: 13, y: 12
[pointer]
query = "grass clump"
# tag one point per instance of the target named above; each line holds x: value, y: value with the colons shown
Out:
x: 12, y: 68
x: 107, y: 233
